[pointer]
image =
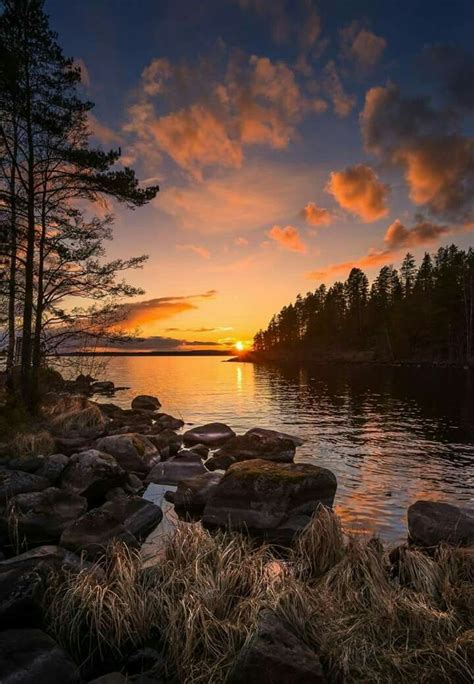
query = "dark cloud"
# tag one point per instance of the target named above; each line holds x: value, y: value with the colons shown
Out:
x: 427, y: 143
x: 422, y: 233
x: 158, y: 343
x: 160, y: 308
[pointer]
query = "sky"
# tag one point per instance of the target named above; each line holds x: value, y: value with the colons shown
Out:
x: 291, y: 140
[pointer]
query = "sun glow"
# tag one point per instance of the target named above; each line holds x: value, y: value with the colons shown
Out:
x: 239, y: 346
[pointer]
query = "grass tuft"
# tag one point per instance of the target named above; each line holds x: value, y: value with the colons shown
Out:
x: 32, y: 444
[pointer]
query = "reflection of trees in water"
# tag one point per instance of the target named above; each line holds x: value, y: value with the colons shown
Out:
x: 439, y: 402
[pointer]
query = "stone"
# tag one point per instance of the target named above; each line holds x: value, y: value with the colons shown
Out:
x: 274, y: 500
x: 30, y: 655
x: 71, y: 445
x: 167, y: 442
x: 111, y: 678
x: 13, y: 482
x: 274, y: 655
x: 433, y: 522
x: 28, y: 464
x: 201, y: 449
x: 93, y: 531
x: 275, y: 434
x: 145, y: 402
x: 53, y: 467
x: 137, y: 515
x: 187, y: 455
x: 91, y: 474
x: 211, y: 435
x: 23, y: 581
x: 133, y: 452
x: 40, y: 517
x: 166, y: 422
x: 192, y: 494
x: 251, y: 446
x: 175, y: 470
x: 102, y: 387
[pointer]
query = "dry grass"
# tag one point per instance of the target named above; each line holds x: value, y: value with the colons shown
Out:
x: 32, y: 444
x: 201, y: 603
x: 90, y: 418
x: 54, y: 404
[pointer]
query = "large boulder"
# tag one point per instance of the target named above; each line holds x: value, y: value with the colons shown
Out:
x: 133, y: 452
x: 13, y: 482
x: 137, y: 515
x: 175, y: 470
x: 192, y: 494
x: 276, y: 656
x: 433, y: 522
x: 22, y: 583
x: 40, y: 517
x: 265, y: 433
x: 164, y: 421
x: 268, y: 447
x: 145, y: 402
x: 28, y: 656
x: 93, y: 531
x: 212, y: 435
x: 91, y: 474
x: 52, y: 467
x: 275, y: 500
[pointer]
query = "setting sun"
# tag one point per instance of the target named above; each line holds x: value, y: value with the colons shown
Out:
x: 239, y: 346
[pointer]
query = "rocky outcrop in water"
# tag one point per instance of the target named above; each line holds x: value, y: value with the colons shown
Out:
x: 433, y: 522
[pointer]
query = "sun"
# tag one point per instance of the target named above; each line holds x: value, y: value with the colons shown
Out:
x: 239, y: 346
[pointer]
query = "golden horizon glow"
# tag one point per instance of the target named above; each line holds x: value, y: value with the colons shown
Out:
x: 239, y: 346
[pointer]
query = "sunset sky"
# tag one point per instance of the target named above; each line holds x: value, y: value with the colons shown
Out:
x: 291, y: 140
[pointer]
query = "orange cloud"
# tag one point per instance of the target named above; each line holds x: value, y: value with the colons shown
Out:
x: 241, y: 241
x: 315, y: 216
x: 288, y: 238
x: 158, y: 309
x: 342, y: 102
x: 214, y: 118
x: 102, y: 133
x: 200, y: 251
x: 437, y: 160
x: 362, y: 45
x: 359, y: 190
x: 373, y: 258
x: 421, y: 233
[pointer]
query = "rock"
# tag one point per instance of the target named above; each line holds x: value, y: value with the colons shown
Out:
x: 276, y: 656
x: 275, y: 500
x: 192, y: 495
x: 42, y: 516
x: 144, y: 402
x: 103, y: 387
x: 201, y: 449
x: 166, y: 422
x: 111, y: 678
x: 167, y: 442
x: 139, y: 517
x: 13, y: 482
x: 71, y: 445
x: 212, y: 435
x: 28, y: 464
x: 175, y: 470
x: 187, y: 455
x: 433, y: 522
x: 248, y: 446
x: 264, y: 433
x: 91, y: 474
x: 93, y: 531
x: 53, y: 467
x: 88, y: 423
x: 23, y: 581
x: 28, y: 656
x: 132, y: 452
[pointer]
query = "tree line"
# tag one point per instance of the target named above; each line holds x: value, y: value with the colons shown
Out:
x: 423, y: 313
x: 54, y: 282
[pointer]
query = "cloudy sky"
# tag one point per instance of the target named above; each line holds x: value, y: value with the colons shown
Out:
x: 291, y: 140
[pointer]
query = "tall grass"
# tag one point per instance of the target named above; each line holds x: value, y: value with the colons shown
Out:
x: 369, y: 620
x: 32, y: 444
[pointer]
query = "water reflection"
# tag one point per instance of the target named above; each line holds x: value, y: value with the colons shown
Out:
x: 390, y: 435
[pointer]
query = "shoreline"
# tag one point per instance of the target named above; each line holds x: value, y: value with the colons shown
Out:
x: 275, y: 359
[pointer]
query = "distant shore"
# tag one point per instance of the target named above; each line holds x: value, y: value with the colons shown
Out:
x: 360, y: 359
x: 198, y: 352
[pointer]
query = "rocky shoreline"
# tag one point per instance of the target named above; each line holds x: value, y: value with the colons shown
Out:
x: 80, y: 485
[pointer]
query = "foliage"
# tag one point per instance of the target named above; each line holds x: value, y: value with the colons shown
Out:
x: 421, y: 314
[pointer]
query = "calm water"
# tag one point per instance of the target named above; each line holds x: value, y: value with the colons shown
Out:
x: 391, y: 436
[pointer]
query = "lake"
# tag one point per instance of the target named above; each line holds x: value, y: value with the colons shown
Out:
x: 391, y: 435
